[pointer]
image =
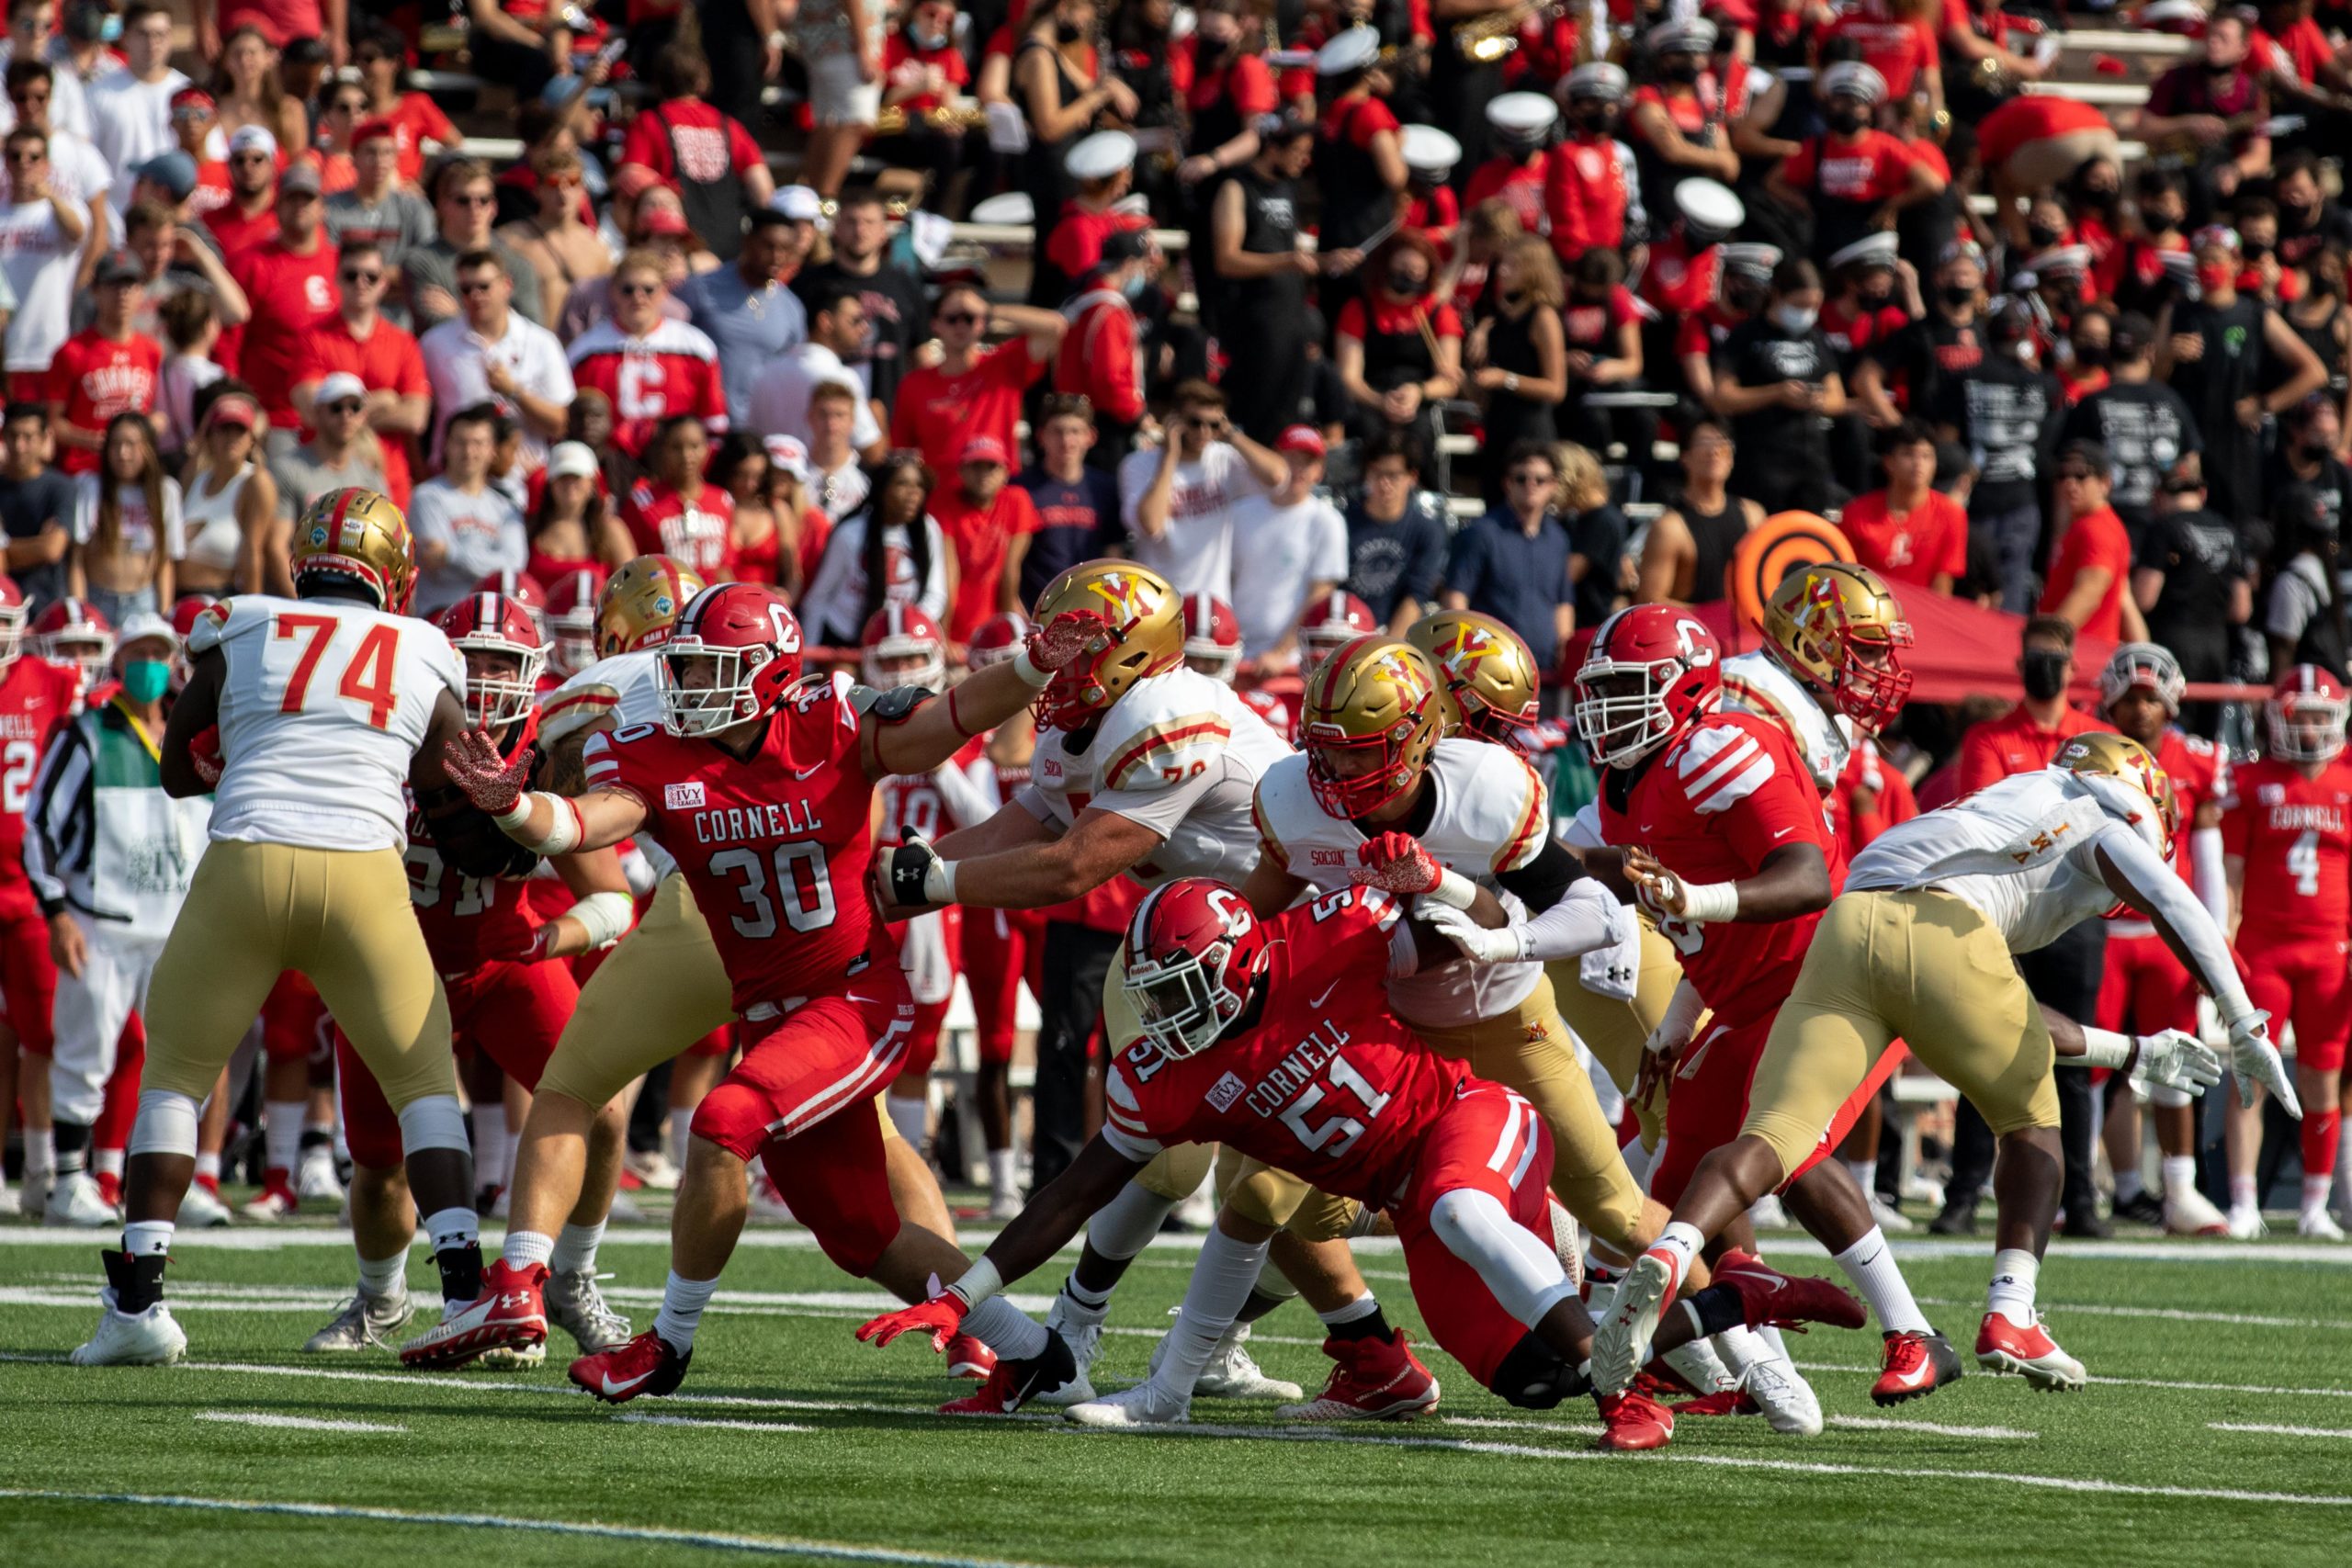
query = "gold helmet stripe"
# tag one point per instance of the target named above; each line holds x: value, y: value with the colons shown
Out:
x: 1164, y: 737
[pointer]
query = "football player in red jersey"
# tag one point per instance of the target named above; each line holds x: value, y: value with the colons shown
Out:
x: 36, y: 696
x: 493, y: 950
x: 2144, y: 987
x: 2286, y: 839
x: 1275, y: 1037
x: 74, y: 632
x: 572, y: 621
x: 762, y: 786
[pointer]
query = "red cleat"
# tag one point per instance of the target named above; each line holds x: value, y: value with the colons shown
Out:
x: 2003, y: 1347
x: 275, y: 1200
x: 510, y: 1313
x: 1723, y: 1401
x: 1633, y: 1421
x: 967, y: 1357
x: 110, y: 1188
x: 1787, y: 1301
x: 1916, y: 1365
x: 1372, y: 1380
x: 645, y: 1365
x: 1013, y: 1384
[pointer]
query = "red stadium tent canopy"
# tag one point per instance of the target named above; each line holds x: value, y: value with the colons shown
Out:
x: 1957, y: 650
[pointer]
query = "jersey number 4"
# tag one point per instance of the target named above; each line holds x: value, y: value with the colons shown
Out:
x: 802, y: 879
x: 367, y: 676
x: 2302, y: 862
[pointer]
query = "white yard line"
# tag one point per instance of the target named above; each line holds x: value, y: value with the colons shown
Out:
x: 293, y: 1423
x: 2182, y: 1386
x: 1934, y: 1428
x: 2339, y: 1433
x: 637, y: 1418
x: 767, y: 1546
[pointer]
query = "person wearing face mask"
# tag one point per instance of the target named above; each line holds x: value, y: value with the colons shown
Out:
x: 1905, y: 370
x: 2310, y: 435
x: 2094, y: 195
x: 1360, y: 157
x: 1398, y: 350
x: 1852, y: 178
x: 1229, y: 89
x: 1745, y: 287
x: 2317, y: 312
x: 1432, y: 208
x: 1519, y: 128
x: 2145, y: 425
x: 1777, y: 379
x: 1676, y: 123
x: 1062, y: 89
x: 2090, y: 573
x: 923, y: 73
x: 110, y: 856
x: 1100, y: 358
x: 1601, y: 327
x: 2308, y: 220
x: 2090, y: 342
x: 1591, y: 183
x: 2214, y: 106
x: 2006, y: 410
x: 2144, y: 278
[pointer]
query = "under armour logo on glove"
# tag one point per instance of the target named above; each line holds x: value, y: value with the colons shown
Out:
x: 910, y: 871
x: 1395, y: 862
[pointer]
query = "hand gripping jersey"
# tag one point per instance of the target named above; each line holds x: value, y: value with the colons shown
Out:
x: 2200, y: 773
x: 469, y: 920
x: 1759, y: 683
x: 1712, y: 807
x: 323, y: 705
x: 2020, y: 852
x: 2295, y: 836
x: 36, y: 696
x: 1487, y: 813
x: 1329, y: 1086
x: 1180, y: 754
x: 775, y: 850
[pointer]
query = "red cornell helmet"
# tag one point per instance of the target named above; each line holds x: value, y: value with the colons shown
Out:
x: 731, y: 657
x: 903, y: 647
x: 1212, y: 637
x: 13, y: 616
x: 73, y: 630
x: 998, y: 639
x: 521, y: 587
x: 1653, y: 671
x: 1192, y: 954
x: 571, y: 615
x: 496, y: 627
x: 1332, y: 623
x: 2306, y: 711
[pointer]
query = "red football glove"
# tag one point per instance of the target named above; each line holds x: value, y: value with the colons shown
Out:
x: 204, y: 754
x: 1068, y: 635
x: 472, y: 761
x: 942, y: 1315
x: 1399, y: 865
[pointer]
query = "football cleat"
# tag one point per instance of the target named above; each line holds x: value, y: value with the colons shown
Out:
x: 149, y: 1338
x: 1766, y: 1213
x: 767, y: 1203
x: 2003, y: 1347
x: 2190, y: 1213
x: 510, y: 1310
x: 625, y: 1211
x: 2142, y: 1208
x: 1633, y: 1420
x: 32, y: 1199
x: 1083, y: 1340
x: 1732, y: 1401
x: 653, y: 1169
x: 316, y: 1178
x: 1786, y: 1398
x: 1568, y: 1241
x: 1372, y: 1380
x: 1148, y: 1404
x: 201, y: 1208
x: 646, y: 1365
x: 275, y: 1201
x: 1887, y: 1217
x: 110, y: 1186
x: 1004, y: 1207
x: 1016, y: 1383
x: 575, y: 1305
x: 1914, y: 1366
x: 10, y: 1206
x: 1232, y: 1373
x: 510, y: 1358
x: 1620, y: 1340
x: 75, y: 1200
x: 366, y: 1323
x: 2318, y: 1225
x: 967, y: 1357
x: 1785, y: 1300
x: 2246, y: 1224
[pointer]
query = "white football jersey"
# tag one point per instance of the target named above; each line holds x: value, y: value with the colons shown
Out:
x: 1491, y: 815
x: 2020, y: 852
x: 625, y: 689
x: 323, y: 705
x: 1180, y: 754
x: 1759, y: 683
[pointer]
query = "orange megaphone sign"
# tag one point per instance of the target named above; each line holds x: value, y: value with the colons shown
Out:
x: 1769, y: 552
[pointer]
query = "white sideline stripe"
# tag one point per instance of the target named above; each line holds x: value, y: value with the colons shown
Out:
x: 637, y: 1419
x: 766, y: 1546
x: 1934, y: 1428
x: 2338, y: 1432
x: 2122, y: 1382
x: 296, y: 1422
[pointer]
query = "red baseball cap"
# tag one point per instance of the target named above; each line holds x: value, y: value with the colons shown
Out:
x: 661, y: 220
x: 984, y: 449
x: 370, y: 130
x: 1300, y: 439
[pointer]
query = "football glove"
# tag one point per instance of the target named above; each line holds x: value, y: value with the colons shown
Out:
x: 940, y: 1316
x: 1398, y: 864
x: 204, y: 754
x: 1061, y: 641
x: 1504, y: 946
x: 2171, y: 1058
x: 2255, y: 1060
x: 490, y: 781
x: 1615, y: 971
x: 917, y: 875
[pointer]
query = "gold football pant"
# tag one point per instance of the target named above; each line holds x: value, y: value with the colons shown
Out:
x: 340, y: 917
x: 1615, y: 1031
x: 1920, y: 966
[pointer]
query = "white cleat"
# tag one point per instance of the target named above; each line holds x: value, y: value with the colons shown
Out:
x: 75, y: 1201
x: 315, y: 1176
x: 1765, y: 1214
x: 767, y: 1203
x: 1620, y: 1340
x: 1196, y: 1214
x: 1887, y: 1217
x: 366, y: 1323
x: 2190, y: 1213
x: 2246, y: 1224
x: 578, y: 1307
x: 1004, y: 1207
x: 1787, y: 1399
x: 1568, y: 1242
x: 1232, y: 1373
x: 625, y: 1209
x: 32, y: 1199
x: 9, y: 1207
x: 1085, y: 1341
x: 148, y: 1338
x: 655, y: 1170
x: 200, y: 1208
x: 2318, y: 1225
x: 1145, y: 1405
x: 269, y: 1204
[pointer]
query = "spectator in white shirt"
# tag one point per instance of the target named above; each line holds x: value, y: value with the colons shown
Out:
x: 890, y: 551
x: 1290, y: 548
x: 1178, y: 502
x: 465, y: 527
x: 32, y: 28
x: 779, y: 404
x: 76, y: 171
x: 40, y: 240
x: 131, y: 109
x: 490, y: 352
x: 836, y: 479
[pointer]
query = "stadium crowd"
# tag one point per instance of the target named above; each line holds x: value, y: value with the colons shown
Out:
x: 1337, y: 315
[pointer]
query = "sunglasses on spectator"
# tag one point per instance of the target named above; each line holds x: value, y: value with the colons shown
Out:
x: 962, y: 319
x: 347, y: 405
x: 475, y: 286
x: 637, y: 291
x: 2077, y: 475
x: 361, y: 274
x: 29, y: 157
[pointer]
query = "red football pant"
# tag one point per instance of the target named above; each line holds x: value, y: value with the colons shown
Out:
x: 514, y: 1013
x: 27, y: 978
x: 2305, y: 982
x: 294, y: 1023
x: 1490, y: 1139
x: 922, y: 1046
x: 2144, y: 987
x: 1001, y: 947
x: 111, y: 1131
x: 802, y: 1099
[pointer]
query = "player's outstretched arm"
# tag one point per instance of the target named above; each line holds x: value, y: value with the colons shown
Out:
x: 1793, y: 880
x: 2170, y: 1058
x: 1099, y: 846
x: 191, y: 751
x: 547, y: 824
x: 937, y: 730
x: 602, y: 911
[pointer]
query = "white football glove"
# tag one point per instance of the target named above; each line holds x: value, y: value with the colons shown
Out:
x: 1507, y: 945
x: 1615, y: 971
x: 2171, y: 1058
x: 2255, y: 1060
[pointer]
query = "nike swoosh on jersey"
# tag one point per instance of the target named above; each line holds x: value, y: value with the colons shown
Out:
x: 799, y: 773
x: 626, y: 1384
x: 1327, y: 991
x: 1784, y: 832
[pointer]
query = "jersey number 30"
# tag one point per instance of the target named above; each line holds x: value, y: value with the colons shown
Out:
x: 802, y: 879
x: 367, y: 677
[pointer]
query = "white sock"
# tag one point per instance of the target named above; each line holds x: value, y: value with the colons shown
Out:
x: 2015, y: 1271
x: 1870, y: 1265
x: 453, y: 1226
x: 681, y: 1314
x: 1362, y: 1307
x: 524, y: 1248
x: 2128, y: 1184
x: 281, y: 1129
x: 105, y: 1162
x: 1124, y: 1225
x: 1219, y: 1288
x: 910, y: 1117
x: 1638, y: 1160
x: 2315, y: 1192
x: 208, y: 1167
x: 1680, y: 1242
x: 490, y: 1141
x: 41, y: 1156
x: 576, y: 1249
x: 384, y: 1276
x: 682, y: 1132
x: 1864, y: 1172
x: 148, y: 1238
x: 1005, y: 1329
x: 2180, y: 1175
x: 2243, y: 1194
x: 1004, y: 1172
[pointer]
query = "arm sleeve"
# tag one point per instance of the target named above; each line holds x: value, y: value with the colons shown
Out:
x: 1585, y: 917
x: 964, y: 793
x: 2213, y: 882
x: 1544, y: 878
x: 2208, y: 949
x: 57, y: 819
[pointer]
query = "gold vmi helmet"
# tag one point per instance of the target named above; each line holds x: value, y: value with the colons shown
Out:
x: 358, y: 535
x: 640, y: 604
x: 2127, y: 780
x: 1837, y: 627
x: 1146, y: 619
x: 1487, y: 677
x: 1372, y: 716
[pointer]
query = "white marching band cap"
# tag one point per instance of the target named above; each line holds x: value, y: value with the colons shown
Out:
x: 1429, y: 151
x: 1710, y: 205
x: 1349, y: 50
x: 1100, y: 155
x: 1599, y: 79
x: 1521, y: 114
x: 1871, y: 250
x: 1854, y: 79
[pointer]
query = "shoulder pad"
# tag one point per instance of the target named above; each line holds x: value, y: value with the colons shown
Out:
x: 1723, y: 762
x: 890, y: 705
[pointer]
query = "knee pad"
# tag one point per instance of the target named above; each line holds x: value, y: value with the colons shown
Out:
x: 166, y: 1124
x: 734, y: 1116
x: 1534, y: 1376
x: 1524, y: 1274
x: 434, y: 1122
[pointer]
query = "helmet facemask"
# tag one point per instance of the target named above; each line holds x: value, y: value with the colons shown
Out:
x: 2307, y: 727
x: 694, y: 707
x: 1621, y: 711
x: 502, y: 679
x: 1352, y: 776
x: 1180, y: 1005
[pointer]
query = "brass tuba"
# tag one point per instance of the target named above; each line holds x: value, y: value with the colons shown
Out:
x: 1483, y: 39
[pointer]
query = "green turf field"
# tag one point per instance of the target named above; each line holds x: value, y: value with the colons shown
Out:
x: 2218, y: 1424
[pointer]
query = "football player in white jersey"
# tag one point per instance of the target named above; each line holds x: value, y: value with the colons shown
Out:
x: 304, y: 718
x: 1142, y: 766
x: 1920, y: 946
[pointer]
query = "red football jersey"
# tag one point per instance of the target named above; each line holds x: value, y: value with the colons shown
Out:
x: 700, y: 537
x: 36, y: 696
x: 673, y: 370
x: 1711, y: 806
x: 1279, y: 716
x: 469, y: 920
x: 2200, y: 772
x: 912, y: 805
x: 96, y: 379
x: 775, y: 850
x: 1329, y: 1086
x: 2295, y: 835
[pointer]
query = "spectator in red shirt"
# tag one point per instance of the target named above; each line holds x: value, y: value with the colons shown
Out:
x: 249, y: 217
x: 1102, y: 357
x: 2093, y: 568
x: 981, y: 516
x: 1909, y: 533
x: 923, y: 73
x: 1898, y: 41
x: 1518, y: 128
x: 718, y: 169
x: 294, y: 276
x: 675, y: 512
x: 416, y: 119
x: 652, y: 366
x: 103, y: 371
x: 1101, y: 168
x: 358, y: 339
x: 1852, y: 178
x: 972, y: 391
x: 1676, y: 123
x: 2217, y: 102
x: 1590, y: 180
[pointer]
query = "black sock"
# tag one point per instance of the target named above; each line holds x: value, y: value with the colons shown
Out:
x: 73, y: 1149
x: 1373, y: 1324
x: 1259, y: 1305
x: 1719, y: 1308
x: 317, y: 1138
x: 461, y: 1271
x: 137, y: 1281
